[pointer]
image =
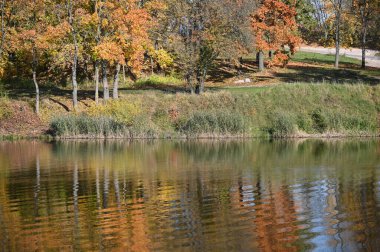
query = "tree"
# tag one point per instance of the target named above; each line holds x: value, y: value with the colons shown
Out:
x: 28, y: 36
x: 199, y: 31
x: 274, y: 25
x: 365, y: 11
x: 123, y: 38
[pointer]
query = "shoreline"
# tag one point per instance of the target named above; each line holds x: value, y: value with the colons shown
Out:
x: 217, y: 138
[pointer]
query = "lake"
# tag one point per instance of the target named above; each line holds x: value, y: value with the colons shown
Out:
x: 251, y: 195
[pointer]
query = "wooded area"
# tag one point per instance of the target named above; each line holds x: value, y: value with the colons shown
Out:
x: 69, y: 42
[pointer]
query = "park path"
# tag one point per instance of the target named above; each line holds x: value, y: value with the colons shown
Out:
x: 371, y: 59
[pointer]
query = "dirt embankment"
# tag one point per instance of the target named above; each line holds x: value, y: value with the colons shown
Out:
x: 21, y: 120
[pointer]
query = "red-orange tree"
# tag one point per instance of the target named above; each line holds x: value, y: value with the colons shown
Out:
x: 274, y: 25
x: 123, y: 38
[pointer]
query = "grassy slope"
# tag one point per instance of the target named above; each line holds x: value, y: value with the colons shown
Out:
x: 279, y: 111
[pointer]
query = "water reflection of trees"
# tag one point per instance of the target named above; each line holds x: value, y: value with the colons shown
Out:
x: 280, y: 195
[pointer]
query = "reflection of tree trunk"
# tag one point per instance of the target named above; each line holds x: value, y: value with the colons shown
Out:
x: 76, y: 207
x: 37, y: 188
x: 105, y: 188
x: 117, y: 188
x: 97, y: 184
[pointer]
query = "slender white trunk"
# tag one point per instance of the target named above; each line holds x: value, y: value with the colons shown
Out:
x: 97, y: 82
x: 116, y: 82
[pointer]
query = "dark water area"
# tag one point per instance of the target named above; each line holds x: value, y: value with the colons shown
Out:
x: 301, y: 195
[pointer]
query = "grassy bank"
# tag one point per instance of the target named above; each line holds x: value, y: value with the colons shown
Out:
x: 288, y: 110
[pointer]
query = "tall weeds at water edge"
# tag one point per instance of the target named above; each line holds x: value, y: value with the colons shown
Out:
x: 212, y: 122
x: 85, y: 126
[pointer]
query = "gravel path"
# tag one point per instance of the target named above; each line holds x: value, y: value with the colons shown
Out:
x: 371, y: 59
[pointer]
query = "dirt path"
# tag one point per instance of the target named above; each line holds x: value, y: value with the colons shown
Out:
x: 371, y: 59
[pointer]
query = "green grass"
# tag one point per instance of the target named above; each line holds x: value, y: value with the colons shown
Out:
x: 286, y: 110
x: 309, y: 57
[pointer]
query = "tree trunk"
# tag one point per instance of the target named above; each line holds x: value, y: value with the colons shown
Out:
x: 75, y: 59
x: 106, y: 91
x: 34, y: 69
x: 364, y: 21
x: 151, y: 65
x: 201, y: 80
x: 337, y: 36
x: 74, y: 77
x: 124, y: 74
x: 261, y: 60
x: 3, y: 27
x: 190, y: 84
x: 116, y: 82
x: 363, y: 49
x: 96, y: 82
x: 37, y: 91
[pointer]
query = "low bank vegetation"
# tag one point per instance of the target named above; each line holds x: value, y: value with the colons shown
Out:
x: 289, y: 110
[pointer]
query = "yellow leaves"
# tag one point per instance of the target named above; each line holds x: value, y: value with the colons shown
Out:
x: 163, y: 58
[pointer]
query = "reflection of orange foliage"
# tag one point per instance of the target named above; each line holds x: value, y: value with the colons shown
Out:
x: 275, y: 222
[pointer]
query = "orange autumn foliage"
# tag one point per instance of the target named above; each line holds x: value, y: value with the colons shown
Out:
x: 127, y: 36
x: 275, y: 27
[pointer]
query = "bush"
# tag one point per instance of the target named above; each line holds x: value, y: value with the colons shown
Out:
x: 5, y: 110
x: 282, y: 124
x: 319, y: 121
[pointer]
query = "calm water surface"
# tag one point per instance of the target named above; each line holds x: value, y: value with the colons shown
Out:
x: 190, y: 196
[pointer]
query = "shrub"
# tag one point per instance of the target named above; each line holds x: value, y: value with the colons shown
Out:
x: 5, y: 110
x: 319, y: 121
x: 282, y: 124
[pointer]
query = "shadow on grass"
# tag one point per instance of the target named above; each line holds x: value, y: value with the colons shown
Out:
x: 323, y: 74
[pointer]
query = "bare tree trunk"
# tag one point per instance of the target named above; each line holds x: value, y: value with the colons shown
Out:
x: 151, y: 65
x: 364, y: 37
x: 337, y: 4
x: 34, y: 69
x: 261, y: 60
x: 364, y: 13
x: 75, y: 57
x: 74, y: 76
x: 37, y: 91
x: 3, y: 27
x: 116, y: 82
x: 124, y: 74
x: 106, y: 91
x: 337, y: 44
x: 202, y: 79
x: 96, y: 82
